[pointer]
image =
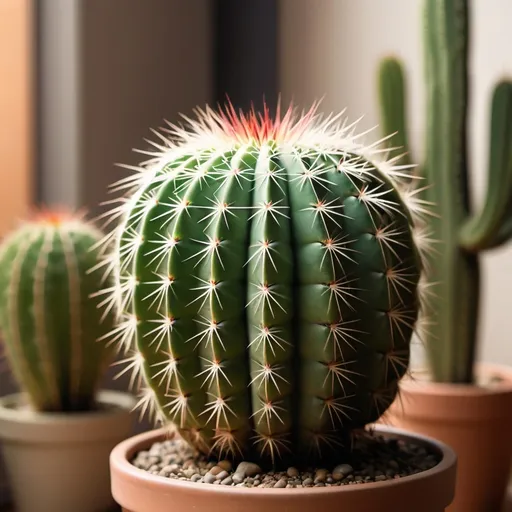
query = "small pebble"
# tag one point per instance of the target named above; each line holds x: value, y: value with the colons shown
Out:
x: 238, y: 478
x: 320, y: 475
x: 292, y: 472
x: 222, y: 475
x: 375, y: 460
x: 155, y: 450
x: 246, y: 469
x: 281, y: 483
x: 215, y: 470
x: 346, y: 469
x: 227, y: 481
x: 209, y: 478
x: 171, y: 468
x: 225, y: 465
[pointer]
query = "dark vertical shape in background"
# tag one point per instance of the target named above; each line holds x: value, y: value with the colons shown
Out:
x: 246, y: 52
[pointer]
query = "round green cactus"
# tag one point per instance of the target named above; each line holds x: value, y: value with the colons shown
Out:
x: 49, y: 321
x: 266, y: 283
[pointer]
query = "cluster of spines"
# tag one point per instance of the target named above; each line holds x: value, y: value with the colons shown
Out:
x: 187, y: 172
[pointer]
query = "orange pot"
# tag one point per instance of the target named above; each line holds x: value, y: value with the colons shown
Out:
x: 476, y: 421
x: 139, y: 491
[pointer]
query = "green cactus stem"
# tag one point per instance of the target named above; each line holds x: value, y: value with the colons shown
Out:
x: 453, y: 274
x: 266, y: 278
x: 49, y: 322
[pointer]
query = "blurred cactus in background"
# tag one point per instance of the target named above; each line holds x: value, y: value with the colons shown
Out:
x: 49, y: 317
x: 266, y: 282
x: 453, y: 272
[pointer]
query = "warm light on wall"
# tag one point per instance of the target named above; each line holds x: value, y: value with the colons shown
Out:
x: 16, y: 116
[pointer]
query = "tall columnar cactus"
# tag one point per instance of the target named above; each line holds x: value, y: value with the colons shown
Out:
x: 49, y: 321
x: 266, y: 282
x: 454, y: 270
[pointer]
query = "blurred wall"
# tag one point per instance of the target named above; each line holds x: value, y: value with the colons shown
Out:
x: 16, y: 118
x: 143, y: 62
x: 110, y: 71
x: 332, y: 48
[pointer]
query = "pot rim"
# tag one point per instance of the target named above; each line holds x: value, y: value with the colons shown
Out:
x: 421, y: 386
x: 32, y: 426
x: 120, y: 465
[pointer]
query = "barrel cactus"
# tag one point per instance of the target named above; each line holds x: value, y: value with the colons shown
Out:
x: 49, y: 315
x: 266, y: 282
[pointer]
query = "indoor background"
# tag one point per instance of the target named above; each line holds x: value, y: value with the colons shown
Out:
x: 84, y: 80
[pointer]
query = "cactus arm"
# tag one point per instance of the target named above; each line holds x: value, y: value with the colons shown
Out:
x: 505, y: 232
x: 392, y: 105
x: 486, y: 229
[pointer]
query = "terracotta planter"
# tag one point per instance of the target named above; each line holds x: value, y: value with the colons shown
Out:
x: 475, y: 421
x: 139, y: 491
x: 59, y: 462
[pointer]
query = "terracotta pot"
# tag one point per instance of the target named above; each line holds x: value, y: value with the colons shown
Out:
x: 475, y: 421
x: 60, y: 462
x: 139, y: 491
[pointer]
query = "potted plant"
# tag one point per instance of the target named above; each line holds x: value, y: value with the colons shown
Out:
x: 266, y: 276
x: 457, y: 400
x: 57, y: 433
